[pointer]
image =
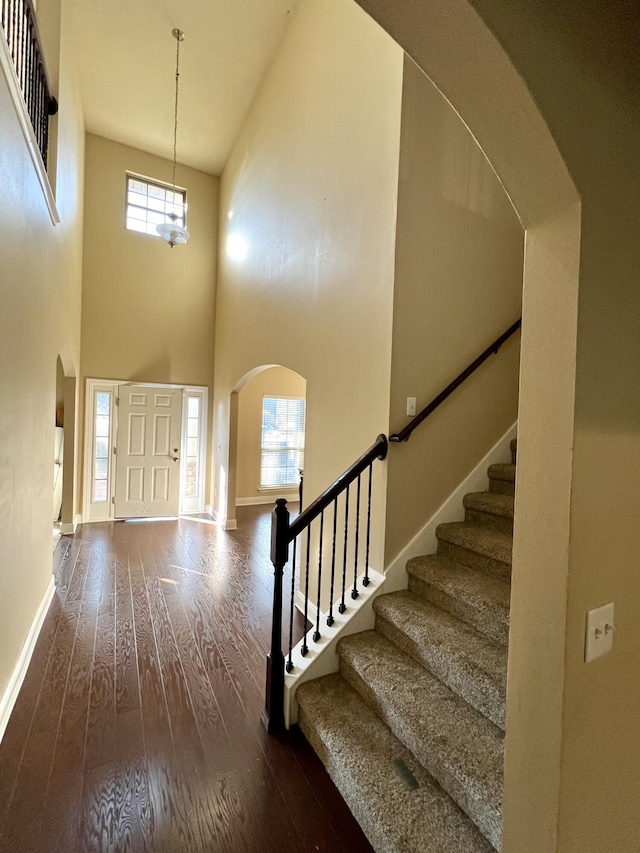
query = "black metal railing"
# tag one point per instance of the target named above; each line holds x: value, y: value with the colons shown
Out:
x: 404, y: 434
x: 344, y: 553
x: 345, y: 556
x: 25, y: 48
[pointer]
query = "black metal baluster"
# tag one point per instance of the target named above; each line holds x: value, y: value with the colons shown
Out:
x: 45, y: 121
x: 330, y: 619
x: 316, y: 633
x: 343, y: 606
x: 354, y: 591
x: 23, y: 48
x: 365, y: 581
x: 14, y: 36
x: 305, y: 647
x: 31, y: 77
x: 289, y: 666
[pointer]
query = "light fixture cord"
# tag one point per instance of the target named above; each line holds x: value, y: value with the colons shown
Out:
x: 175, y: 116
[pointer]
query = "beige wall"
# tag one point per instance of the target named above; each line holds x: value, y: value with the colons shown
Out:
x: 40, y: 279
x: 311, y: 188
x: 274, y: 382
x: 573, y: 731
x: 147, y: 309
x: 458, y: 286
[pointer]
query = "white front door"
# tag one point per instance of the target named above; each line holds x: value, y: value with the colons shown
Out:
x: 148, y: 454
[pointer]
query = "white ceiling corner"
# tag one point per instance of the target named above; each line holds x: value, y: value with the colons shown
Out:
x: 126, y: 61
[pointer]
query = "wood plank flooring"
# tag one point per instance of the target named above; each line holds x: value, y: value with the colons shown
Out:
x: 138, y: 724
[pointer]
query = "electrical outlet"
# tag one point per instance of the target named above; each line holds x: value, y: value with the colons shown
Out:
x: 599, y: 634
x: 411, y: 406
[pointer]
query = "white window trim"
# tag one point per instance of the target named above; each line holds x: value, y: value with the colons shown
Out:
x: 148, y: 180
x: 90, y: 509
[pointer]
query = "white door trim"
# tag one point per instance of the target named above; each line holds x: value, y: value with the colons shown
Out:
x: 92, y: 511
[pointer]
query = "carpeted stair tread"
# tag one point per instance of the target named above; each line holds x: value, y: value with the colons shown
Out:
x: 503, y: 471
x: 396, y: 802
x: 489, y: 509
x: 459, y: 747
x: 476, y: 546
x: 502, y: 478
x: 472, y: 665
x: 472, y: 596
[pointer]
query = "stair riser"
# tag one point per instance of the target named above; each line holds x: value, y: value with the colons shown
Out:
x: 490, y: 520
x: 481, y: 694
x: 491, y: 567
x: 483, y: 813
x: 491, y: 621
x: 502, y: 487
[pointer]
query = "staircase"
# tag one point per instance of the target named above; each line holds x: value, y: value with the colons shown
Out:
x: 411, y: 729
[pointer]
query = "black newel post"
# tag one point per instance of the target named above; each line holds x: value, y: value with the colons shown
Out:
x: 273, y: 714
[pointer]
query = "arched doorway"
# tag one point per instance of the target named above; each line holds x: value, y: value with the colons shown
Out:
x: 249, y: 481
x: 458, y: 52
x: 65, y: 444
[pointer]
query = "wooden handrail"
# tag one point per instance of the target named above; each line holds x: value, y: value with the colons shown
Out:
x: 405, y: 433
x: 378, y: 450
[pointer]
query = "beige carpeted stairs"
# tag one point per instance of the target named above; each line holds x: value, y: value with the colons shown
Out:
x: 411, y: 729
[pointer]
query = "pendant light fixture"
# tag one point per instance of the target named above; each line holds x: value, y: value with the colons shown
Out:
x: 171, y: 231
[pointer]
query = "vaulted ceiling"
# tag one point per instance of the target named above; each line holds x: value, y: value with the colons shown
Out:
x: 126, y: 61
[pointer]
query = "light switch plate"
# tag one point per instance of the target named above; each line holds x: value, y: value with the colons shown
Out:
x: 599, y: 634
x: 411, y: 406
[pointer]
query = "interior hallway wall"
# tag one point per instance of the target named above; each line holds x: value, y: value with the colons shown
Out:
x: 458, y: 287
x: 40, y: 289
x: 537, y: 71
x: 308, y: 202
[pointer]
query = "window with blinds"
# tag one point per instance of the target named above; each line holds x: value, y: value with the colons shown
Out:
x: 283, y: 423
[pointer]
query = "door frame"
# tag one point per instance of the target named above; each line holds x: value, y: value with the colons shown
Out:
x: 94, y: 511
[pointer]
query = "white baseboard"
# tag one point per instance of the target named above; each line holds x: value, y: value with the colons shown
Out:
x: 312, y: 610
x: 226, y: 524
x: 20, y: 670
x: 266, y: 499
x: 72, y: 527
x: 425, y: 541
x: 322, y: 658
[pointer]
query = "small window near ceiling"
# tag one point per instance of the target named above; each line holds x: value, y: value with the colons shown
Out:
x: 150, y: 203
x: 283, y: 422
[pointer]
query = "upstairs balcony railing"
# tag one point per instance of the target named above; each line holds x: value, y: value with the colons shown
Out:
x: 23, y: 41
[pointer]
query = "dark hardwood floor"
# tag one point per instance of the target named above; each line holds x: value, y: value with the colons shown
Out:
x: 138, y: 725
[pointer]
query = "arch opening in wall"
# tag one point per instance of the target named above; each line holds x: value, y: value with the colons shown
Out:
x: 64, y: 447
x: 457, y: 50
x: 266, y: 438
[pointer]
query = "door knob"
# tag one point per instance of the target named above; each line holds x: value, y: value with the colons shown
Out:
x: 175, y: 458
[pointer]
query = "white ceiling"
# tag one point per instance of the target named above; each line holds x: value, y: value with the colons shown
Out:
x: 126, y: 61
